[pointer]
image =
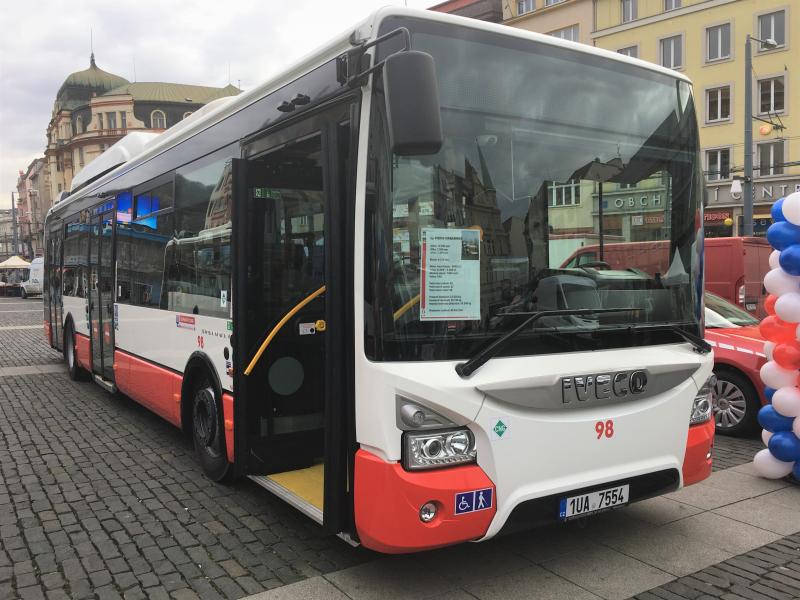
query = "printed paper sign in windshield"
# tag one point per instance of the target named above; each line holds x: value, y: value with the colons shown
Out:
x: 451, y: 275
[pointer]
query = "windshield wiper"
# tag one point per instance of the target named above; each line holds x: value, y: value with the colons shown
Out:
x: 699, y: 345
x: 468, y: 367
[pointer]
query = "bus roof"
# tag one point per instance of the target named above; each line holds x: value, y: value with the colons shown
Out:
x: 365, y: 30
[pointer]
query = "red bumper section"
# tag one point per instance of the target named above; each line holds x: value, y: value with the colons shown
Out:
x: 698, y: 459
x: 388, y: 499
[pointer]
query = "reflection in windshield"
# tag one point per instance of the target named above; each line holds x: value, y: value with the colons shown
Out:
x: 580, y: 176
x: 721, y: 314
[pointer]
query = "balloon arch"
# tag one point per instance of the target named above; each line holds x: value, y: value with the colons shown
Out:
x: 781, y: 417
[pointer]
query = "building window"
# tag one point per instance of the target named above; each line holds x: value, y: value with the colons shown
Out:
x: 718, y: 164
x: 79, y: 125
x: 770, y: 158
x: 123, y: 119
x: 632, y: 51
x: 566, y: 194
x: 158, y: 120
x: 525, y: 6
x: 629, y: 11
x: 718, y: 104
x: 111, y: 119
x: 80, y: 156
x: 671, y: 4
x: 672, y: 52
x: 102, y: 147
x: 770, y: 93
x: 571, y: 33
x: 551, y: 2
x: 100, y: 120
x: 718, y: 42
x: 772, y: 27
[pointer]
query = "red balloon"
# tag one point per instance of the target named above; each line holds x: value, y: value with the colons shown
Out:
x: 787, y: 355
x: 777, y: 330
x: 769, y: 304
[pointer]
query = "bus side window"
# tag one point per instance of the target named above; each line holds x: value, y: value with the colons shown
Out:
x: 152, y: 229
x: 200, y: 279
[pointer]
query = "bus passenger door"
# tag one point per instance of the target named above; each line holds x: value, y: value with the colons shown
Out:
x: 101, y: 298
x: 286, y: 194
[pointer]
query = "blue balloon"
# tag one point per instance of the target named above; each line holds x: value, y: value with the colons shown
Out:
x: 769, y: 393
x: 777, y: 211
x: 771, y: 420
x: 783, y: 234
x: 790, y: 259
x: 785, y: 446
x: 797, y: 470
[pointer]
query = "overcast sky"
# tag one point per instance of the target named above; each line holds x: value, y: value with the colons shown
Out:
x: 177, y: 41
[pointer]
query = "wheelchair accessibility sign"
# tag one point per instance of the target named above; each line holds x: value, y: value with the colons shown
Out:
x: 467, y: 502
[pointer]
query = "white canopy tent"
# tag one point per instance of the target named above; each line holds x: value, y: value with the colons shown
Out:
x: 15, y: 262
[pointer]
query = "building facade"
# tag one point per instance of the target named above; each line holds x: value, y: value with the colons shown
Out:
x: 567, y: 19
x: 95, y: 109
x: 483, y: 10
x: 7, y: 249
x: 705, y: 39
x: 33, y: 202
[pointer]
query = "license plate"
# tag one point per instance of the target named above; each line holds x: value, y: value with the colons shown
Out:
x: 586, y: 504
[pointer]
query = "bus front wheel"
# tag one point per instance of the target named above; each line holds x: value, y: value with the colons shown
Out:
x: 207, y: 432
x: 76, y: 373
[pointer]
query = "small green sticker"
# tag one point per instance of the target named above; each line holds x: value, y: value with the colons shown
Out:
x: 269, y: 193
x: 500, y: 428
x: 230, y: 325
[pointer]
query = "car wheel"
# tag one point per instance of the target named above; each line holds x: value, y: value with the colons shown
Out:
x: 208, y: 433
x: 23, y: 294
x: 735, y: 403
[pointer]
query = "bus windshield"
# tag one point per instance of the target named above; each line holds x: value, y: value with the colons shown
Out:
x: 547, y: 150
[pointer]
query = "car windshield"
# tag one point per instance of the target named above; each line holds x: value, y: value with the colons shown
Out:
x: 567, y: 180
x: 721, y: 314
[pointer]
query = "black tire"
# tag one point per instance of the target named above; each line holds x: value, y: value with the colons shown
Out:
x: 76, y: 373
x: 208, y: 433
x: 22, y: 293
x: 736, y: 403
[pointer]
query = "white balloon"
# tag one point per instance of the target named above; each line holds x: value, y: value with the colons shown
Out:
x: 796, y: 427
x: 791, y: 208
x: 775, y: 376
x: 786, y: 401
x: 765, y: 435
x: 779, y: 282
x: 770, y: 467
x: 769, y: 347
x: 774, y: 262
x: 787, y: 307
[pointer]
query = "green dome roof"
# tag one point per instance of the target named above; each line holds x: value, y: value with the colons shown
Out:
x: 80, y: 86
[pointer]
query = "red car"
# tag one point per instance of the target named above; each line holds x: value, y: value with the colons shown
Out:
x: 738, y: 356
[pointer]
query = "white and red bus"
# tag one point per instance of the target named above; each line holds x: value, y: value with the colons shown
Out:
x: 339, y: 283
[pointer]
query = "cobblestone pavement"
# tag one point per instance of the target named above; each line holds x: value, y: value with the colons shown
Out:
x: 101, y: 498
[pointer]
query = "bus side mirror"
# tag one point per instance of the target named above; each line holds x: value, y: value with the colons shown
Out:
x: 412, y: 103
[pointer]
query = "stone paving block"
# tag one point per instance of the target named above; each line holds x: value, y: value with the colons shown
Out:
x: 530, y: 582
x: 765, y: 515
x: 471, y: 562
x: 661, y: 510
x: 598, y: 570
x: 724, y: 533
x: 316, y: 588
x: 389, y: 578
x: 707, y: 497
x: 743, y: 482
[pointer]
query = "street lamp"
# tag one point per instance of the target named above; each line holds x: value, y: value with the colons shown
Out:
x: 747, y: 188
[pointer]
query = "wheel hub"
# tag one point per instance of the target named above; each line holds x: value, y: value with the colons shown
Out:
x: 205, y: 417
x: 729, y: 404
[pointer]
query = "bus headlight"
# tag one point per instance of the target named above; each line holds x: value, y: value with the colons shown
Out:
x: 703, y: 401
x: 432, y: 449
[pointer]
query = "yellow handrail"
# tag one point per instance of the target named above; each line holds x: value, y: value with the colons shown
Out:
x: 278, y: 327
x: 406, y: 307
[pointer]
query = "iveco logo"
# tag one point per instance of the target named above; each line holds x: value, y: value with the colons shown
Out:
x: 603, y: 386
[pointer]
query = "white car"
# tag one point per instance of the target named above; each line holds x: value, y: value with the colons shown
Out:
x: 33, y: 286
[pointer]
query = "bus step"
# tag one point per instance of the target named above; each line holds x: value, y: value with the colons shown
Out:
x: 105, y: 384
x: 288, y: 496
